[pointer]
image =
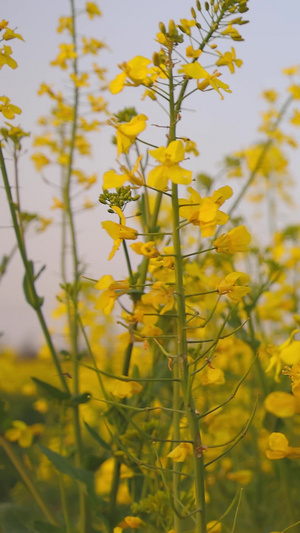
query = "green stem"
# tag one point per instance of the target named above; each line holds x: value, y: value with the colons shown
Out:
x: 29, y: 274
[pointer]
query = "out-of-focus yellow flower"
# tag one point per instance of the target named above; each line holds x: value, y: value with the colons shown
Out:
x: 281, y: 404
x: 295, y: 91
x: 57, y: 204
x: 125, y: 389
x: 92, y: 10
x: 233, y: 286
x: 67, y: 53
x: 22, y: 433
x: 181, y: 452
x: 80, y: 81
x: 118, y: 232
x: 111, y: 291
x: 214, y: 526
x: 279, y: 447
x: 236, y: 240
x: 131, y: 521
x: 7, y: 109
x: 243, y: 477
x: 5, y: 58
x: 136, y: 70
x: 148, y: 249
x: 169, y: 158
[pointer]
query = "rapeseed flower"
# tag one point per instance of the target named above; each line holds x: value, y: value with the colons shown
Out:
x: 169, y: 168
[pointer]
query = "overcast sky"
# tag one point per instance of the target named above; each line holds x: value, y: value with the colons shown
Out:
x: 272, y: 41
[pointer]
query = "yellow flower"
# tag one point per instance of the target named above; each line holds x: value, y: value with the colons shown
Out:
x: 287, y: 353
x: 111, y: 291
x: 136, y: 70
x: 187, y: 25
x: 40, y: 160
x: 279, y: 447
x: 92, y: 10
x: 214, y: 526
x: 7, y: 109
x: 22, y: 433
x: 67, y: 52
x: 232, y: 32
x: 57, y: 204
x: 281, y: 404
x: 127, y: 132
x: 91, y: 45
x: 118, y: 232
x: 230, y: 286
x: 295, y: 91
x: 181, y: 452
x: 205, y: 211
x: 191, y: 52
x: 125, y: 389
x: 113, y: 180
x: 133, y: 522
x: 229, y: 59
x: 236, y: 240
x: 169, y: 169
x: 5, y: 58
x: 80, y: 81
x: 148, y: 249
x: 195, y: 71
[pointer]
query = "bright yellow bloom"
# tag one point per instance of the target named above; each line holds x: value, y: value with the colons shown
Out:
x: 136, y: 70
x: 232, y: 32
x: 111, y: 291
x: 187, y: 25
x: 191, y: 52
x: 295, y: 120
x: 279, y: 447
x: 195, y: 71
x: 160, y: 294
x: 57, y: 204
x: 236, y: 240
x: 288, y: 353
x: 230, y: 286
x: 127, y: 132
x: 112, y: 180
x: 181, y: 452
x: 169, y: 169
x: 7, y: 109
x: 204, y: 212
x: 98, y: 103
x: 148, y: 249
x: 229, y: 59
x: 118, y: 232
x: 22, y: 433
x: 65, y: 23
x: 243, y: 477
x: 92, y: 10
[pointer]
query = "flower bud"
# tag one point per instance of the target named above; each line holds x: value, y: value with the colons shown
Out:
x: 172, y: 29
x: 193, y: 13
x: 198, y: 5
x: 156, y: 59
x: 162, y: 28
x: 206, y: 6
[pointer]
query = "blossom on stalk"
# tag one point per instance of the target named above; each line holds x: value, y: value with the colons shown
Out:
x: 22, y: 433
x: 136, y: 70
x: 279, y: 447
x: 287, y: 353
x: 112, y: 290
x: 229, y: 59
x: 118, y: 232
x: 233, y: 286
x: 169, y: 168
x: 112, y: 180
x: 7, y: 109
x: 195, y: 71
x: 127, y: 132
x: 236, y: 240
x: 204, y: 212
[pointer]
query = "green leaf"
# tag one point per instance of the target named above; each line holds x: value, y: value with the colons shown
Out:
x: 51, y: 391
x: 63, y: 465
x: 97, y: 437
x: 14, y: 519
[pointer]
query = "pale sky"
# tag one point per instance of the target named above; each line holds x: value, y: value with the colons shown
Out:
x: 272, y: 42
